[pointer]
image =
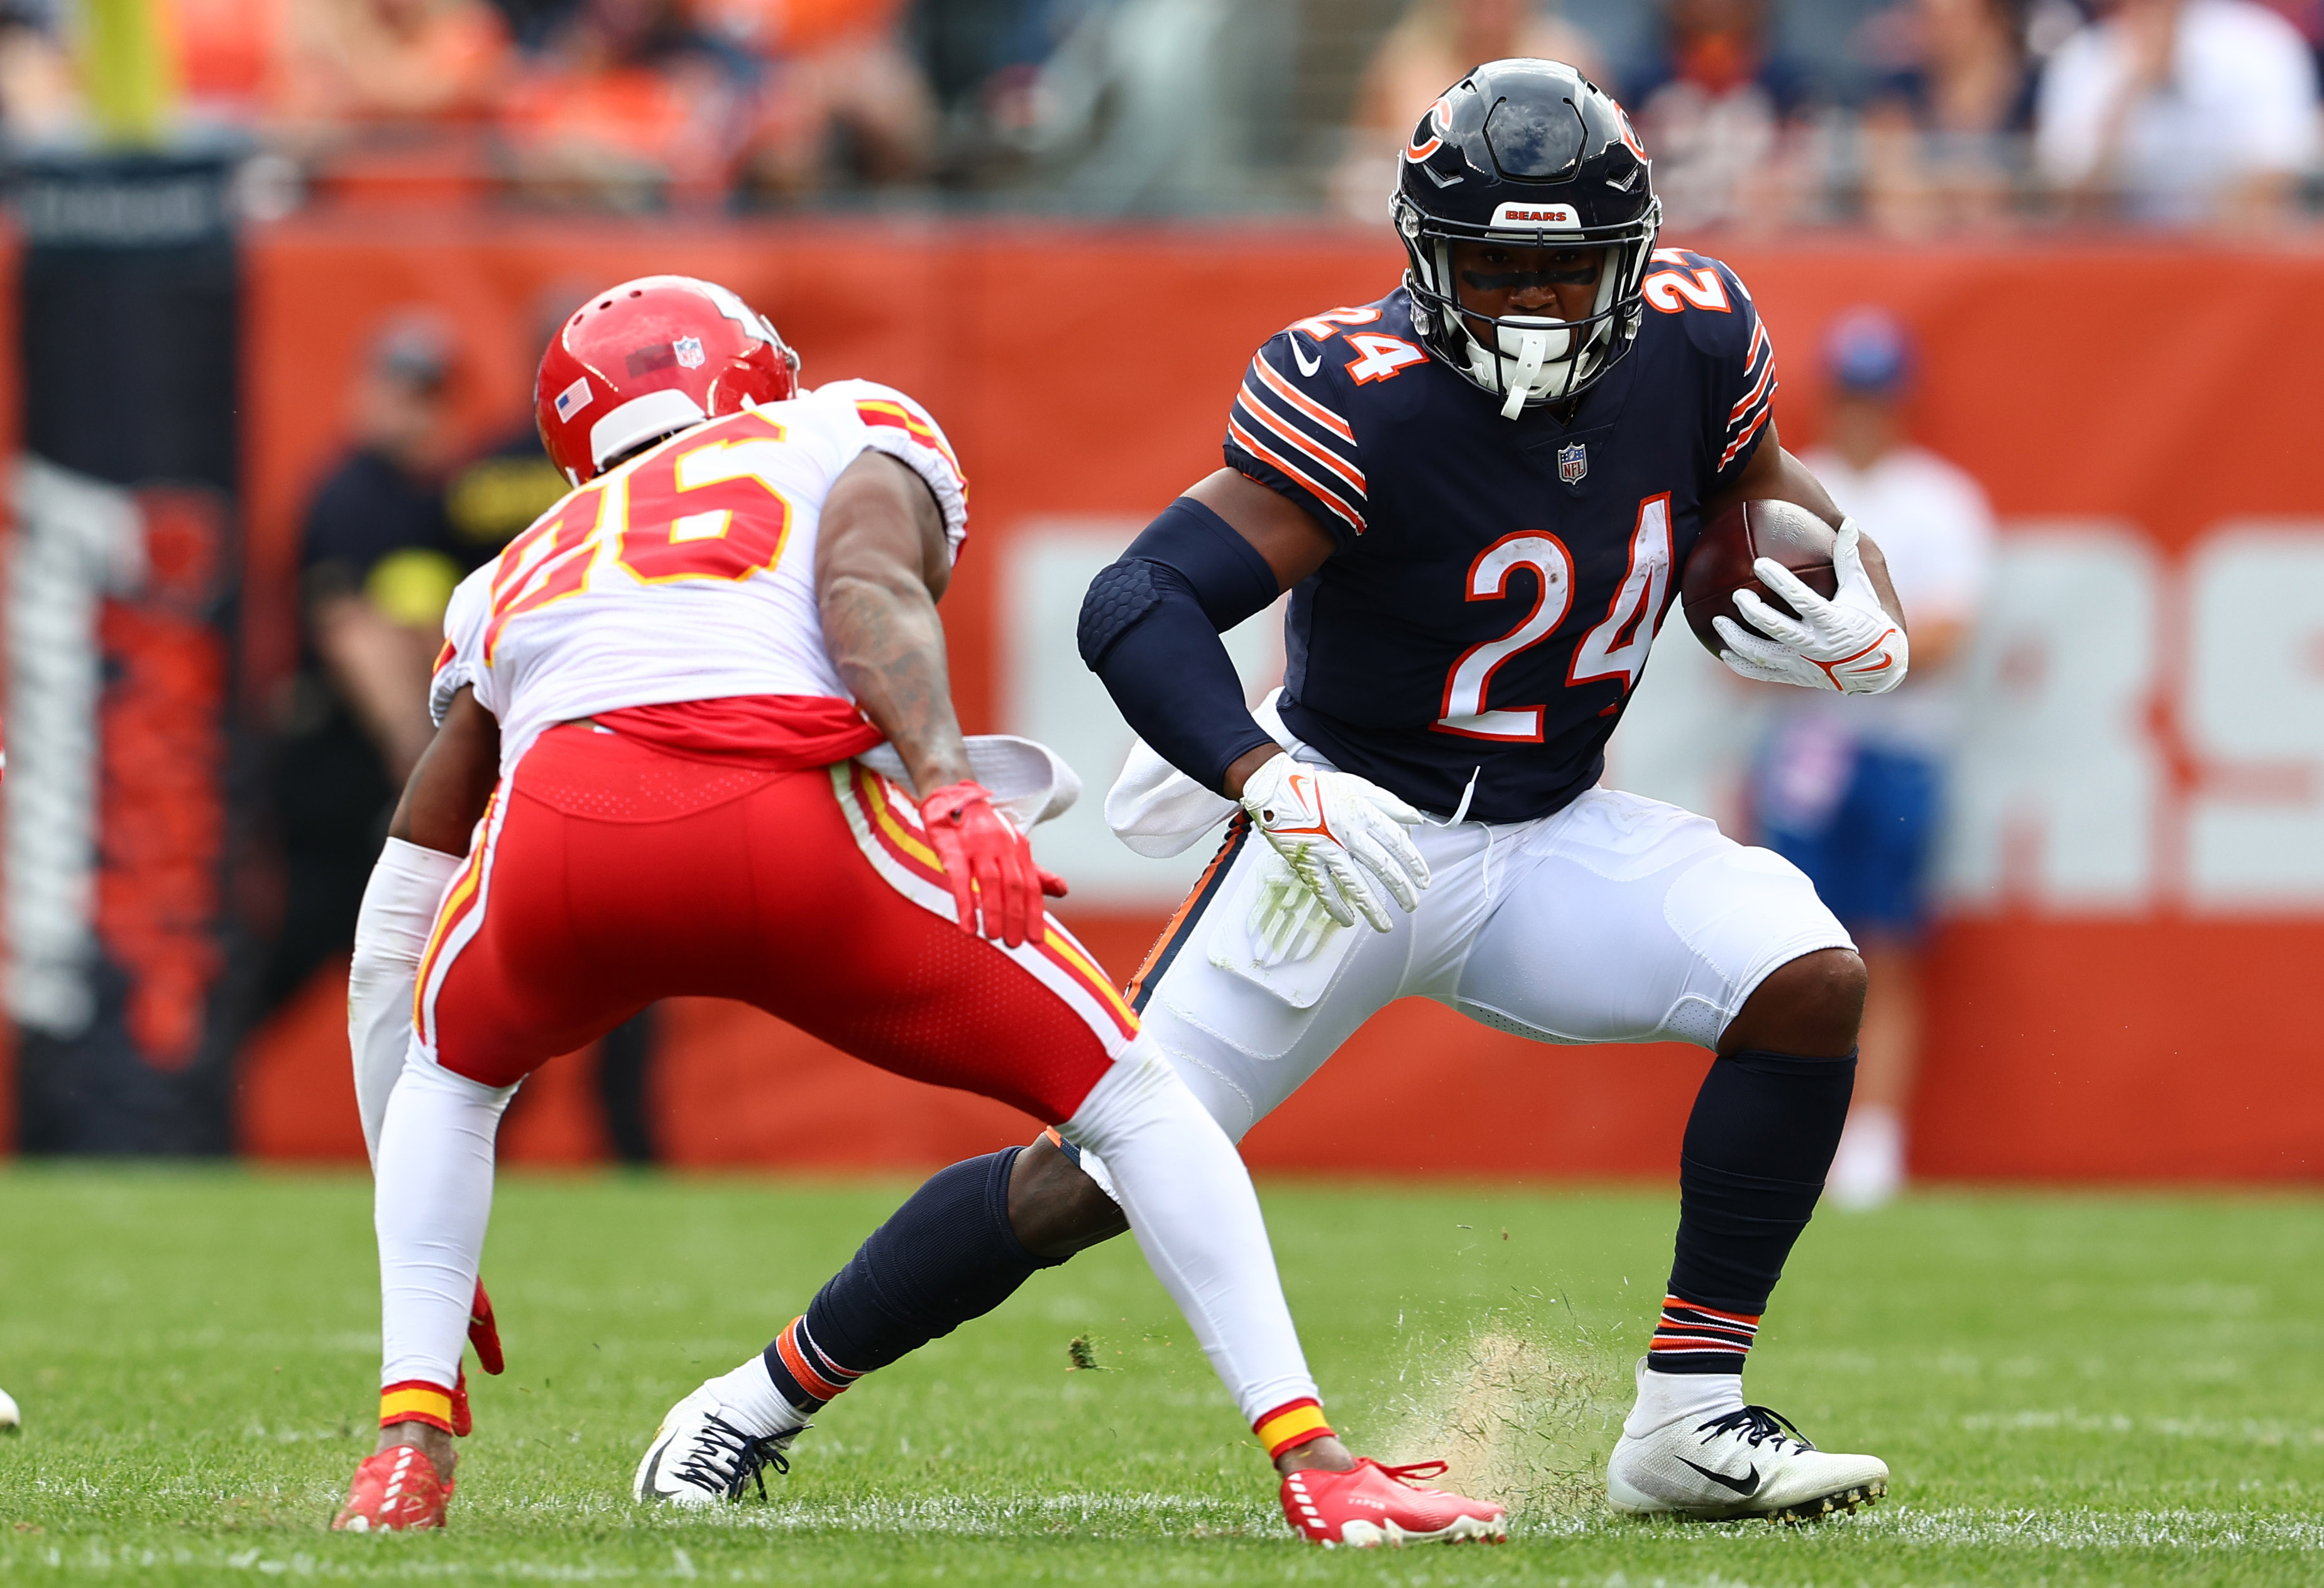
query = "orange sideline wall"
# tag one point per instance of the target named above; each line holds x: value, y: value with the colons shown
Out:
x: 2121, y: 1030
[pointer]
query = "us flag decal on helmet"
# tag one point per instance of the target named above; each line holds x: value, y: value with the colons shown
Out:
x: 573, y: 398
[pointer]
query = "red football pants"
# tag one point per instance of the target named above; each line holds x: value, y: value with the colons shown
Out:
x: 611, y: 873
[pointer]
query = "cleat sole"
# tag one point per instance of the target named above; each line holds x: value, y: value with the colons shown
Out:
x: 1820, y: 1508
x: 1856, y: 1497
x: 1363, y: 1534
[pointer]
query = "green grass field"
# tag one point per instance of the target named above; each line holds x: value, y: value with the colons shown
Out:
x: 2069, y: 1389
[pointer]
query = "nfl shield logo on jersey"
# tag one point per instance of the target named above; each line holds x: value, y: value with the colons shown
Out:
x: 1572, y: 462
x: 689, y: 350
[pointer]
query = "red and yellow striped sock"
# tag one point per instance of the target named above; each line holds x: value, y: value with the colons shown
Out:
x: 1292, y: 1424
x: 416, y: 1400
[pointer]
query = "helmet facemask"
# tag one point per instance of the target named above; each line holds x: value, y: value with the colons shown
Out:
x: 1533, y: 359
x: 1536, y: 357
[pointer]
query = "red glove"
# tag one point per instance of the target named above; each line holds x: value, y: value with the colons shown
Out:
x: 988, y: 863
x: 484, y: 1332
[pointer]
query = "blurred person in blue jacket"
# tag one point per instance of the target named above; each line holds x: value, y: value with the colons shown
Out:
x: 1851, y: 787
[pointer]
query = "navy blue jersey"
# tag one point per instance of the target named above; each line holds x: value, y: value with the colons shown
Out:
x: 1497, y: 582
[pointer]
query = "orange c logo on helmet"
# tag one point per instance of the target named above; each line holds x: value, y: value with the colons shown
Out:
x: 1629, y: 137
x: 1434, y: 121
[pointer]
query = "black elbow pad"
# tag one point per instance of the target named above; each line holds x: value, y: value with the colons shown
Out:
x: 1122, y: 593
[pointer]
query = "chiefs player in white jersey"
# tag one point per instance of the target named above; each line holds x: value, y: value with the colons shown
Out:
x: 644, y: 783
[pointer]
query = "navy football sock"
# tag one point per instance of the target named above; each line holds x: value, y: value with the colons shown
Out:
x: 945, y: 1257
x: 1758, y: 1146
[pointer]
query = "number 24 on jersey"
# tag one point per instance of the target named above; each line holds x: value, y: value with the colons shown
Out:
x: 1615, y: 649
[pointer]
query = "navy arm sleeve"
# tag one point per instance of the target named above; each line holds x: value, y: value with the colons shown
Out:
x: 1150, y: 629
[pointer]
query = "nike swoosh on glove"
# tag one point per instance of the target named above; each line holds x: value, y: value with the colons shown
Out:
x: 1848, y: 643
x: 989, y: 865
x: 1341, y: 835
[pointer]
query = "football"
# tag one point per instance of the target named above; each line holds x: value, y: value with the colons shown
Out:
x: 1720, y: 563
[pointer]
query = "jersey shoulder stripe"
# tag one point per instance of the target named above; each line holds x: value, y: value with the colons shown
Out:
x: 1723, y: 325
x: 894, y: 424
x: 1260, y: 403
x: 1759, y: 367
x: 898, y: 413
x: 1315, y: 488
x: 1291, y: 430
x: 1750, y: 413
x: 1331, y: 422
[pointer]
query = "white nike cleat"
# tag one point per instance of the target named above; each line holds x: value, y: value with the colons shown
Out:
x: 700, y: 1456
x: 1746, y: 1463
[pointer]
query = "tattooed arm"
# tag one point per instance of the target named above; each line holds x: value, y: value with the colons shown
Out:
x: 881, y: 566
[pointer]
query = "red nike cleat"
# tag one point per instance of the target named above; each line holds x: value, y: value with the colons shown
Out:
x: 395, y: 1492
x: 483, y: 1333
x: 1374, y: 1505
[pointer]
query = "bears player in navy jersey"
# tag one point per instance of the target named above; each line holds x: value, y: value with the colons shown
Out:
x: 1480, y: 491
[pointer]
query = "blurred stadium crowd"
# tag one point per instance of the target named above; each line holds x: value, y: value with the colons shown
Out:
x: 1912, y: 116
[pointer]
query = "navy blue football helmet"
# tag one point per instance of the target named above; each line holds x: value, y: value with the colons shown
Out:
x: 1529, y: 153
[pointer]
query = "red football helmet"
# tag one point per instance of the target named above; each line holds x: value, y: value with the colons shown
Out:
x: 648, y: 358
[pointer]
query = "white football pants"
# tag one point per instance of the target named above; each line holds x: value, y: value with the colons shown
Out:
x: 1617, y: 919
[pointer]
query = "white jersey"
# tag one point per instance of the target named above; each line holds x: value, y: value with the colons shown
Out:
x: 686, y: 574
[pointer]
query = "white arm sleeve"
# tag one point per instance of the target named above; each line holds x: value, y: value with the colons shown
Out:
x: 398, y: 911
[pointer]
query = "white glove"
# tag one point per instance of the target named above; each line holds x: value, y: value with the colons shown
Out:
x: 1332, y: 829
x: 1848, y: 643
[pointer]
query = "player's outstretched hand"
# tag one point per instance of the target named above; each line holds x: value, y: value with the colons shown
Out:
x: 1342, y: 834
x: 1848, y: 643
x: 988, y: 865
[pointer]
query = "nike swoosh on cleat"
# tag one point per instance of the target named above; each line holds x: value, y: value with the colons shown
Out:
x: 1746, y: 1485
x: 1307, y: 366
